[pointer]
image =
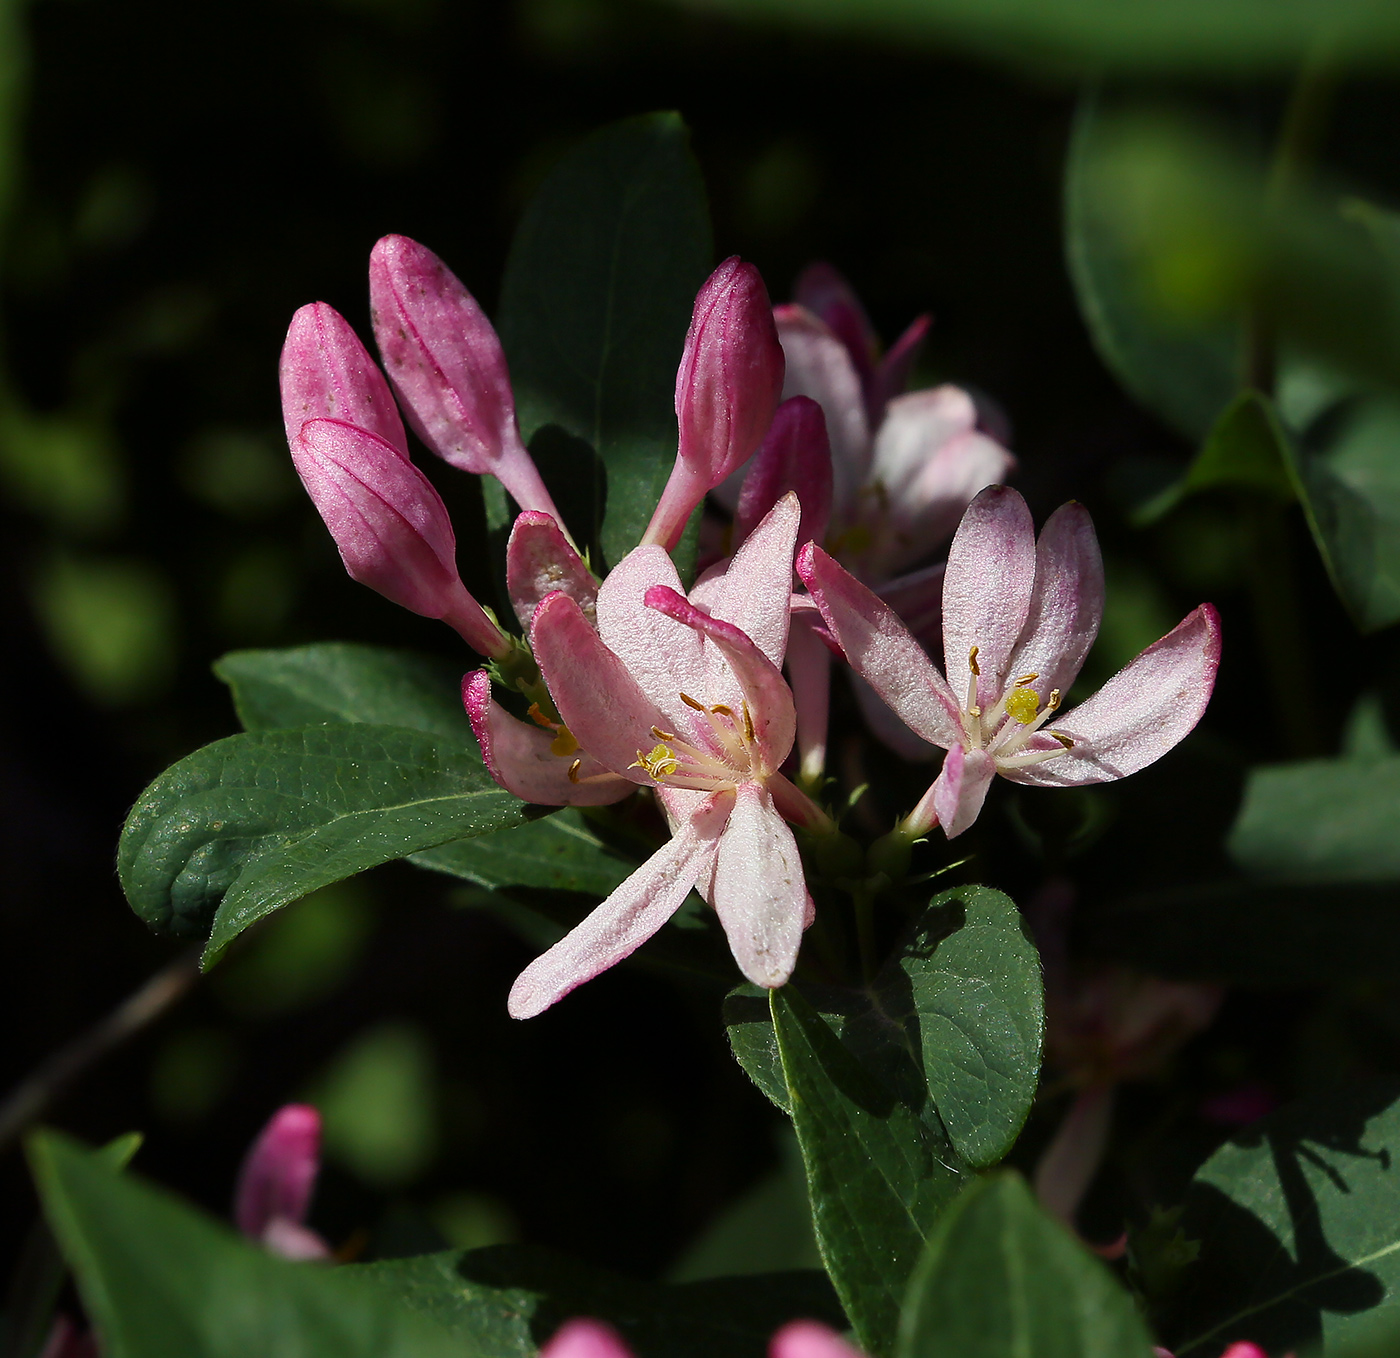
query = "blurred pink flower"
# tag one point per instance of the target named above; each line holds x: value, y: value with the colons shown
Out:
x: 275, y: 1184
x: 798, y: 1339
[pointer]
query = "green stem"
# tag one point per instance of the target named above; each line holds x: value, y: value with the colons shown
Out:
x: 865, y: 932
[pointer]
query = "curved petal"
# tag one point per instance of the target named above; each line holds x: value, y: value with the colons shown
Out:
x: 891, y: 374
x: 987, y: 589
x: 918, y: 599
x: 663, y: 657
x: 1135, y: 718
x: 540, y: 560
x: 827, y: 295
x: 755, y: 590
x: 759, y: 892
x: 880, y: 649
x: 1066, y: 603
x: 795, y: 456
x: 520, y: 758
x: 760, y: 683
x: 630, y: 916
x: 598, y: 699
x: 961, y: 788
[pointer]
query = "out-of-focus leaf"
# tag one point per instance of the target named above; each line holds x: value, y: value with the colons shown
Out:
x: 248, y: 824
x: 505, y: 1301
x: 877, y: 1174
x: 1299, y: 1223
x: 1000, y: 1276
x: 595, y: 304
x: 1089, y: 35
x: 160, y: 1280
x: 1322, y: 820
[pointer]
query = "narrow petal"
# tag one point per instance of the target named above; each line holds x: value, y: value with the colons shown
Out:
x: 760, y: 683
x: 599, y: 700
x: 1066, y: 603
x: 891, y: 375
x: 1135, y: 718
x: 1067, y: 1166
x: 585, y: 1339
x: 961, y: 788
x: 630, y: 916
x: 541, y: 560
x: 886, y: 727
x: 795, y: 456
x: 756, y: 589
x: 759, y: 892
x: 279, y: 1171
x: 987, y: 588
x: 828, y: 296
x: 881, y: 650
x: 808, y: 1339
x: 918, y: 599
x: 290, y: 1240
x: 520, y: 758
x: 819, y: 366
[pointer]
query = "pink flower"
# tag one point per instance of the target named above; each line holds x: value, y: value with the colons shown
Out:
x: 1019, y: 617
x: 275, y: 1184
x: 685, y: 696
x: 727, y: 388
x: 798, y: 1339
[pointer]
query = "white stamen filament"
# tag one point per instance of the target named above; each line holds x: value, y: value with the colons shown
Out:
x: 1003, y: 736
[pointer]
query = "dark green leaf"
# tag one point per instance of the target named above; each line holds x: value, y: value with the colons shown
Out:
x: 261, y: 819
x: 877, y: 1174
x: 1299, y: 1224
x: 504, y: 1301
x: 595, y: 305
x: 1000, y: 1277
x: 160, y: 1280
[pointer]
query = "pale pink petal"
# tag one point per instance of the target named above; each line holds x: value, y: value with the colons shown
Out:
x: 541, y: 560
x: 891, y: 375
x: 585, y: 1339
x: 881, y: 650
x: 289, y: 1240
x: 886, y: 727
x: 1144, y: 710
x: 279, y: 1172
x: 759, y: 892
x: 756, y: 589
x: 327, y: 374
x: 518, y: 756
x: 630, y: 916
x: 1066, y: 604
x: 447, y: 365
x: 827, y: 295
x: 1068, y: 1164
x: 987, y: 589
x: 819, y: 366
x: 808, y: 1339
x: 796, y: 456
x: 918, y: 599
x: 663, y: 658
x: 809, y: 676
x: 961, y: 788
x: 598, y: 699
x: 760, y: 683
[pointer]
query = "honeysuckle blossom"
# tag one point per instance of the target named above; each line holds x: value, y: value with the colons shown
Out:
x: 584, y: 1338
x: 275, y: 1184
x: 1019, y: 617
x: 684, y: 695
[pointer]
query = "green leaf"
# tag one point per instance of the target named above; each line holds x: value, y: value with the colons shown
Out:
x: 1299, y: 1223
x: 877, y: 1174
x: 339, y: 681
x: 595, y: 305
x: 504, y: 1301
x: 1000, y: 1277
x: 160, y: 1280
x: 261, y: 819
x: 1320, y: 820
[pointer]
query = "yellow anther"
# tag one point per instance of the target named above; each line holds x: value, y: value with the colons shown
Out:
x: 748, y: 723
x: 1053, y: 701
x: 540, y: 719
x: 1062, y: 738
x: 1024, y: 679
x: 659, y: 763
x: 662, y: 735
x: 972, y: 662
x: 564, y: 743
x: 573, y: 770
x: 722, y: 710
x: 1023, y: 704
x: 690, y: 702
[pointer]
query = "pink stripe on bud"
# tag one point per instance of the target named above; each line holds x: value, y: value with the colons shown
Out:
x: 327, y: 374
x: 447, y: 365
x: 390, y: 526
x: 727, y: 387
x: 795, y: 456
x: 279, y: 1171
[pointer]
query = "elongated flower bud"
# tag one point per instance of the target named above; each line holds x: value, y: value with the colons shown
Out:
x: 327, y: 374
x: 796, y: 456
x: 390, y: 525
x: 275, y: 1183
x: 727, y: 388
x: 447, y: 365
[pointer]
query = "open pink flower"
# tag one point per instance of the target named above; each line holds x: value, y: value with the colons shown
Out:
x: 1019, y: 617
x: 275, y: 1184
x: 592, y: 1339
x: 684, y: 695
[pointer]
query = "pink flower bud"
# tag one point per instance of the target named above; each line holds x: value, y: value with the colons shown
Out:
x: 585, y: 1339
x: 808, y: 1339
x: 327, y: 374
x: 447, y: 365
x: 828, y: 296
x: 390, y: 525
x: 278, y: 1174
x: 727, y: 388
x: 795, y: 456
x: 540, y: 560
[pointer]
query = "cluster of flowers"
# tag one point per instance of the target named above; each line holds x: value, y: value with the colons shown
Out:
x: 631, y: 681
